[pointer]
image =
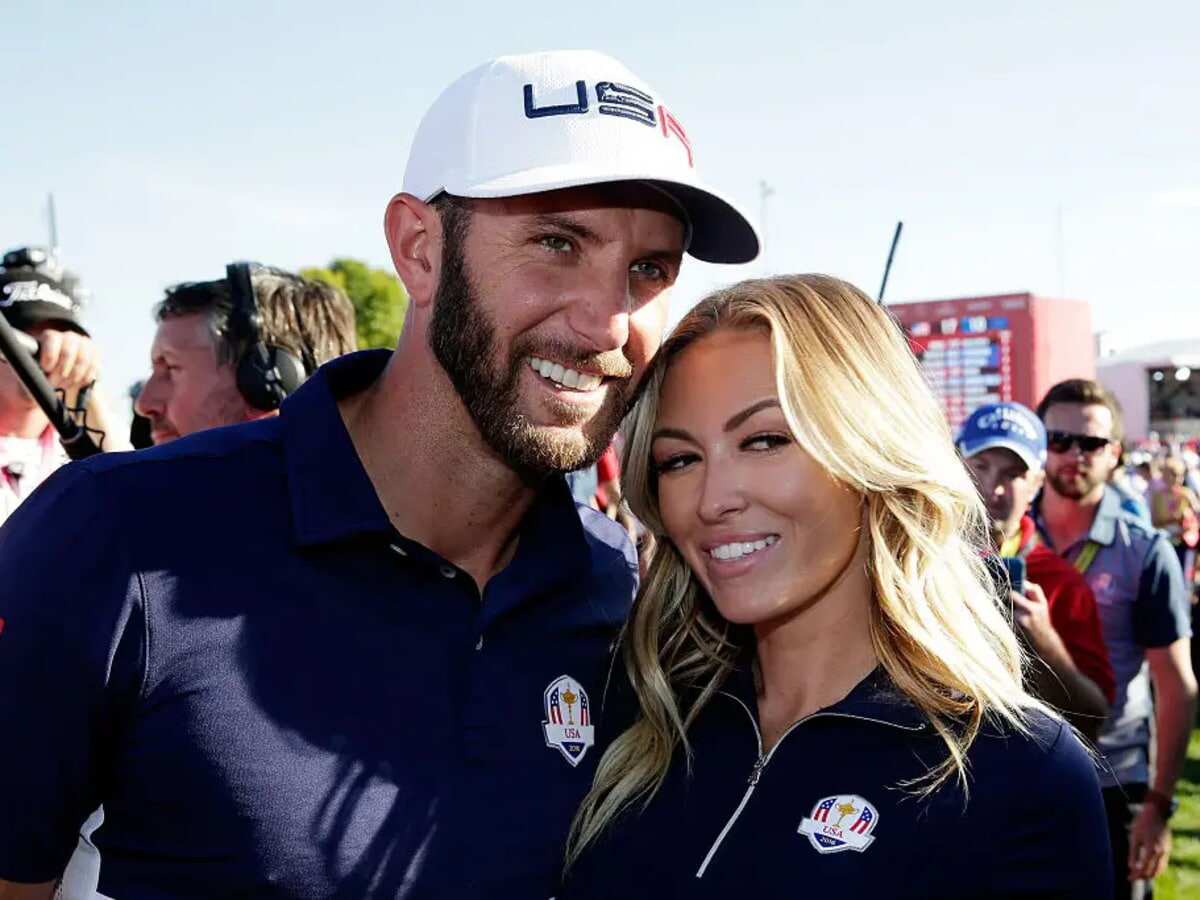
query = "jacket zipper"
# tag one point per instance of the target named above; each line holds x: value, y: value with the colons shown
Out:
x: 763, y: 759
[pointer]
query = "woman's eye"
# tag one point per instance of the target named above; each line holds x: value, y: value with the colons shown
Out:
x: 555, y: 243
x: 674, y: 463
x: 765, y: 441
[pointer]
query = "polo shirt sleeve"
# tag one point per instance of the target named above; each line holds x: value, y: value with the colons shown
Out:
x: 1163, y: 612
x: 71, y: 659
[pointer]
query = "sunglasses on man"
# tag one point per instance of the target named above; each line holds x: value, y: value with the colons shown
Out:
x: 1063, y: 441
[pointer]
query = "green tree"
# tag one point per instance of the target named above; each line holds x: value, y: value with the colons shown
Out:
x: 379, y: 299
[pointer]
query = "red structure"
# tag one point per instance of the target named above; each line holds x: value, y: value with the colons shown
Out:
x: 977, y: 350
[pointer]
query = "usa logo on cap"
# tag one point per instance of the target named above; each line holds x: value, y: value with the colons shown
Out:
x: 841, y: 822
x: 568, y: 723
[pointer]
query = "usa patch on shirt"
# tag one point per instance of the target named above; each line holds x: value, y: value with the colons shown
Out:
x: 841, y: 822
x: 568, y: 723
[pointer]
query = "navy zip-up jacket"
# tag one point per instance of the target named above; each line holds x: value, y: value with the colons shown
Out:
x: 823, y: 813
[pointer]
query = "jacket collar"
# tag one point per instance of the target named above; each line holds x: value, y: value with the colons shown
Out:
x: 876, y: 698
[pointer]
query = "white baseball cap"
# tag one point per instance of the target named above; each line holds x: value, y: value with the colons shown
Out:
x: 542, y: 121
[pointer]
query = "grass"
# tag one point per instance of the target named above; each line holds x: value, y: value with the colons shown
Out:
x: 1181, y: 881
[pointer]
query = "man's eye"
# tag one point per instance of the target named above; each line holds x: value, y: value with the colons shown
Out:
x: 648, y: 269
x: 555, y: 244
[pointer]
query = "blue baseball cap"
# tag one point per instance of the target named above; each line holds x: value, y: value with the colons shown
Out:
x: 1009, y: 425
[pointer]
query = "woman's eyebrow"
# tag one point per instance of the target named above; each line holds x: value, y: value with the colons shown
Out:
x: 738, y: 418
x: 677, y: 433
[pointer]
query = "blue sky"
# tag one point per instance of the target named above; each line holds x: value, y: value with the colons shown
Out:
x: 177, y: 137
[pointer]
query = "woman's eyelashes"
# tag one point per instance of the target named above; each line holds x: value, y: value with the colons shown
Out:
x: 763, y: 442
x: 674, y: 462
x: 766, y: 441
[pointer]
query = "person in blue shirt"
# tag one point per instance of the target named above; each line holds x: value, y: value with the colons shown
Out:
x: 356, y: 650
x: 1145, y: 615
x: 824, y: 696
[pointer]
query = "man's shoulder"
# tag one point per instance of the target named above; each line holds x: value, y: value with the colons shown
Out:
x: 179, y: 480
x: 250, y: 447
x: 1136, y: 525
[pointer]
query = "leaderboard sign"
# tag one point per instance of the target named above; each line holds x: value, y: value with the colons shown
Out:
x: 978, y: 350
x: 967, y: 361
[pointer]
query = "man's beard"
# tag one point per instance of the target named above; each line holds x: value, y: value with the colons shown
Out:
x: 1074, y: 487
x: 463, y: 339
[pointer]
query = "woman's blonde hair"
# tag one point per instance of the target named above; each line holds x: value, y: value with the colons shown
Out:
x: 856, y: 401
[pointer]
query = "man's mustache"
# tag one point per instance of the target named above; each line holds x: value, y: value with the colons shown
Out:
x: 609, y: 364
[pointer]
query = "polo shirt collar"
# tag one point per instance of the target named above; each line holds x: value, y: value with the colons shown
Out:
x: 552, y: 552
x: 1104, y: 522
x: 1104, y: 525
x: 331, y: 496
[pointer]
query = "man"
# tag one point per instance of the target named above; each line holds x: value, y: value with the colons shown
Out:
x: 1004, y: 445
x: 358, y: 649
x: 199, y: 347
x: 1144, y: 612
x: 37, y: 301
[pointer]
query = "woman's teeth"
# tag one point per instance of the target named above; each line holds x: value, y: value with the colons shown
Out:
x: 737, y: 550
x: 564, y: 377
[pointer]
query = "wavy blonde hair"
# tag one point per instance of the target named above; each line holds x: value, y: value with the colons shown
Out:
x: 856, y: 401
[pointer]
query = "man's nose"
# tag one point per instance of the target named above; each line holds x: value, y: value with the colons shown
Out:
x: 149, y: 399
x: 600, y: 314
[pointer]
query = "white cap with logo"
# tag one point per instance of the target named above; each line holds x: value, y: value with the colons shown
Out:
x: 543, y: 121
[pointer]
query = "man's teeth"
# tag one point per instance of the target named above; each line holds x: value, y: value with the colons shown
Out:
x: 565, y: 377
x: 737, y: 549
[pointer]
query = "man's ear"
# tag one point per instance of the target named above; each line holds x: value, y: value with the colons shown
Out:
x: 414, y: 235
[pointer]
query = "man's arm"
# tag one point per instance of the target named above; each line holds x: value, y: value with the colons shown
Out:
x: 1162, y: 625
x: 10, y: 890
x: 1059, y: 682
x: 71, y: 655
x: 1174, y: 713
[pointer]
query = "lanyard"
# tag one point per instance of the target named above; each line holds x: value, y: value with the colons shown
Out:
x: 1083, y: 559
x: 1086, y: 557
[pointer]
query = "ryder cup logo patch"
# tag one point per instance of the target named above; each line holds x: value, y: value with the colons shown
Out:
x: 568, y: 722
x: 844, y: 822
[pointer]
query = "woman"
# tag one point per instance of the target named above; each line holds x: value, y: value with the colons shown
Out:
x: 1176, y: 510
x: 828, y: 697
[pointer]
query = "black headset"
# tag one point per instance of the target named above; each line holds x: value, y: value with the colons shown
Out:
x: 266, y: 373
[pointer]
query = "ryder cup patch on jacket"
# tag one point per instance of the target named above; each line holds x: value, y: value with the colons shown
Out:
x: 841, y: 822
x: 568, y: 723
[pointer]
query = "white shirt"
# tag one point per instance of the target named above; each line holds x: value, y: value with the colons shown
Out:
x: 24, y: 464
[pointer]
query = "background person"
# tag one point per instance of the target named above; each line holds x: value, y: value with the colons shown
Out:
x: 198, y: 348
x: 1144, y: 614
x: 817, y: 654
x: 36, y: 298
x: 1176, y: 510
x: 1004, y: 447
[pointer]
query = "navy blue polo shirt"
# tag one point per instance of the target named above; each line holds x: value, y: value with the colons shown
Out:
x: 275, y: 694
x: 824, y: 813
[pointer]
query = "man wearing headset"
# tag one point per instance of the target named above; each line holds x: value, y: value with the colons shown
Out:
x: 363, y: 654
x: 203, y: 335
